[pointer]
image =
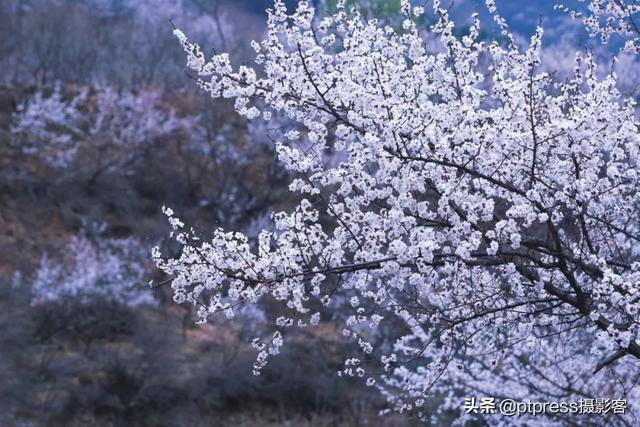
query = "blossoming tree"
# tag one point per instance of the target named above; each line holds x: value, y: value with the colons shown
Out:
x: 99, y: 128
x: 112, y: 269
x: 480, y: 219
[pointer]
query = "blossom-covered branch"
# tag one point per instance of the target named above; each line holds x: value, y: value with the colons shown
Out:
x: 607, y: 18
x: 480, y: 218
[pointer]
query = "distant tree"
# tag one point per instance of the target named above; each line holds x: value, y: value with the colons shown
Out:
x: 46, y: 127
x: 480, y: 219
x: 99, y: 127
x: 111, y: 269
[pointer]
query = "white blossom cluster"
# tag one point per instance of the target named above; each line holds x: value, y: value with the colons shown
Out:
x: 113, y: 269
x: 480, y: 217
x: 607, y: 18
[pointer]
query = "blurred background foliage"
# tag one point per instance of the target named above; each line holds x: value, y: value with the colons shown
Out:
x: 379, y: 8
x: 99, y: 128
